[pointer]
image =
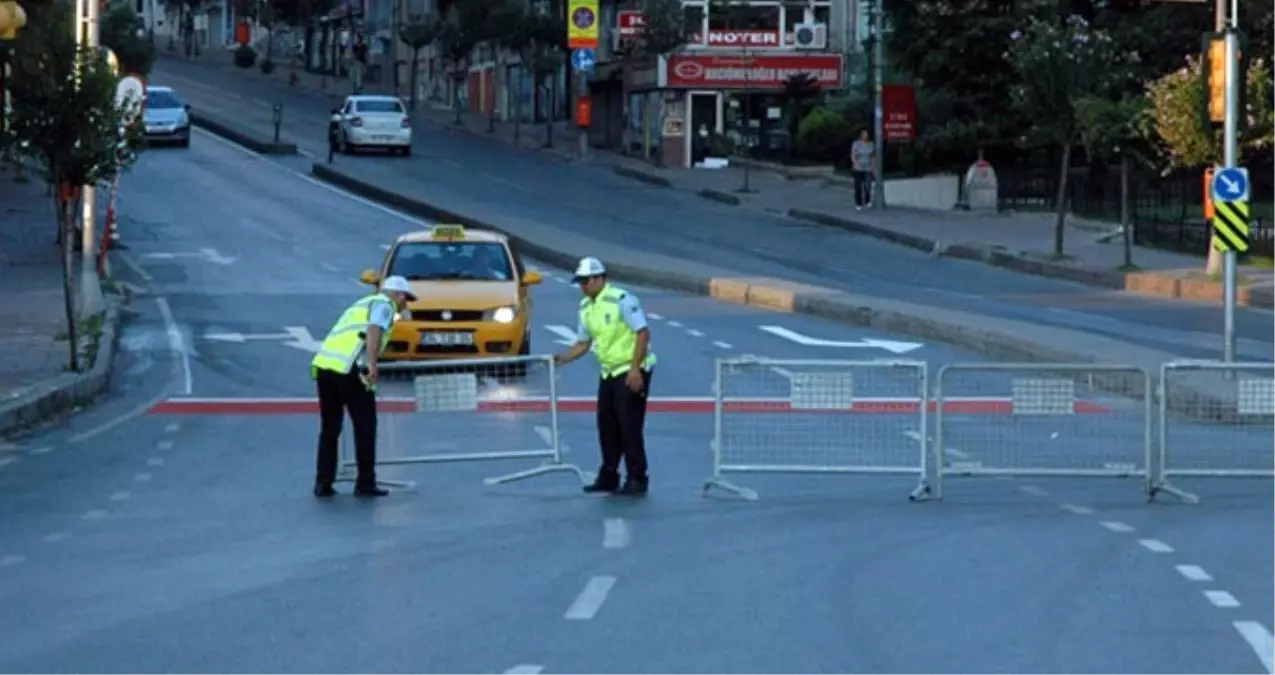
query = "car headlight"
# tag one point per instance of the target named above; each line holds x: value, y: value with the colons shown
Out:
x: 183, y: 120
x: 503, y: 314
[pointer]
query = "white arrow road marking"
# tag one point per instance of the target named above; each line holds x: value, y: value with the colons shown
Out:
x: 871, y: 343
x: 298, y: 337
x: 302, y: 339
x: 244, y: 337
x: 213, y: 256
x: 566, y: 335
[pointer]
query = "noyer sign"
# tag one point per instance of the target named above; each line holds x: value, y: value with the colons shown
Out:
x: 768, y: 71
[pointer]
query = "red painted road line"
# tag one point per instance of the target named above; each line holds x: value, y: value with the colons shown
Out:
x: 687, y: 405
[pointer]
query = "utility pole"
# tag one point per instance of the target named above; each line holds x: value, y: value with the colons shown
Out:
x: 878, y: 120
x: 1230, y: 159
x: 91, y: 301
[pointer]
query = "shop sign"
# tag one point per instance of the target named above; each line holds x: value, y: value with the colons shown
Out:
x: 737, y: 39
x: 899, y: 104
x: 762, y: 71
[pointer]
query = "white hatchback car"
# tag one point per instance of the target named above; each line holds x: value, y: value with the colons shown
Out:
x: 368, y: 121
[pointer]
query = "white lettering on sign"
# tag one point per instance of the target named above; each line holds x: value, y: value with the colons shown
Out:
x: 715, y: 74
x: 737, y: 38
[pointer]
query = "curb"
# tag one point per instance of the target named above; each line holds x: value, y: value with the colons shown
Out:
x: 241, y: 136
x: 642, y: 176
x: 66, y: 391
x: 719, y: 196
x: 988, y: 336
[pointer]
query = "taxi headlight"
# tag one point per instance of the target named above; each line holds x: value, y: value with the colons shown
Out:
x: 503, y: 315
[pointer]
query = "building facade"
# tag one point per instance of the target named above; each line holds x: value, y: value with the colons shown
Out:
x: 728, y: 81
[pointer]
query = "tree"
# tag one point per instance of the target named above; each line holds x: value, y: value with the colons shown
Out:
x: 65, y: 116
x: 121, y: 30
x: 1115, y: 130
x: 799, y: 90
x: 1183, y: 137
x: 501, y: 19
x: 418, y: 33
x: 663, y: 33
x: 1059, y: 63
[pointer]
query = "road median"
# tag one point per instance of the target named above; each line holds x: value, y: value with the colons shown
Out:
x: 991, y: 337
x: 233, y: 132
x: 65, y: 392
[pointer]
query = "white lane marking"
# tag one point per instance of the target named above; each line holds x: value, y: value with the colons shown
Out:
x: 141, y: 477
x: 164, y: 445
x: 1260, y: 640
x: 305, y: 153
x: 1077, y: 509
x: 172, y: 428
x: 1117, y: 526
x: 722, y: 345
x: 675, y: 324
x: 1032, y: 490
x: 130, y: 415
x: 506, y: 182
x: 653, y: 315
x: 95, y: 514
x: 328, y: 266
x: 155, y: 461
x: 453, y: 163
x: 590, y: 600
x: 1155, y: 546
x: 1222, y: 599
x: 132, y: 265
x: 176, y: 344
x: 1194, y: 573
x: 694, y: 333
x: 615, y: 533
x: 54, y: 537
x: 916, y: 436
x: 11, y: 560
x: 121, y: 495
x: 566, y: 336
x: 524, y: 669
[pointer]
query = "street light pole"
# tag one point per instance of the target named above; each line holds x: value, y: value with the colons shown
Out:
x: 1230, y: 159
x: 91, y: 301
x: 878, y: 120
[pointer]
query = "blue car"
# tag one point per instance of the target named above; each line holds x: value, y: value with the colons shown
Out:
x: 167, y: 119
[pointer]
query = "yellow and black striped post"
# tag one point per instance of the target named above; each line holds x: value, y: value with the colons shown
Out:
x: 1230, y: 226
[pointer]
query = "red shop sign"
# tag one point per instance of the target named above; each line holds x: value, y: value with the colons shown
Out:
x: 630, y: 22
x: 899, y: 106
x: 762, y: 71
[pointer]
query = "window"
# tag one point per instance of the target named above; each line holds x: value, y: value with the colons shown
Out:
x: 694, y: 15
x: 379, y: 106
x: 744, y: 17
x: 479, y: 261
x: 159, y: 99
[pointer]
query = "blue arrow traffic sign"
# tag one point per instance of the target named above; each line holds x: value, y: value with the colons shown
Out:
x: 1230, y: 185
x: 583, y: 59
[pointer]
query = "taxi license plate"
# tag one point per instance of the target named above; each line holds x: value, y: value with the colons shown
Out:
x: 383, y: 138
x: 447, y: 339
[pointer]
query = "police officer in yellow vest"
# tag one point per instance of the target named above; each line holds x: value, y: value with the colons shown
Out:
x: 613, y: 325
x: 345, y: 370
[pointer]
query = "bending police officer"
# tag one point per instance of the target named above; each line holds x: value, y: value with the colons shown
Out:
x: 345, y: 372
x: 613, y: 325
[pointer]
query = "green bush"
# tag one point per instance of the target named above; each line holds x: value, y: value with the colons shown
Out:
x: 824, y: 135
x: 245, y: 56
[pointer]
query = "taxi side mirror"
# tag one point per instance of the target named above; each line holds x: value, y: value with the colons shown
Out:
x: 531, y: 278
x: 370, y: 277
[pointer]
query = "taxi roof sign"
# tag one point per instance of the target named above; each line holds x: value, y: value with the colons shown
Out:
x: 447, y: 232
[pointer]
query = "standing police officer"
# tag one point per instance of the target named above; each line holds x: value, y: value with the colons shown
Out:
x: 613, y: 325
x: 345, y: 370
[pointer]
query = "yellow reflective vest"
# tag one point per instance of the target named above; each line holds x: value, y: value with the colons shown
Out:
x: 342, y: 347
x: 613, y: 341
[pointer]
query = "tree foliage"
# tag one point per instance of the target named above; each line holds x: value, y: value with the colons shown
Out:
x: 417, y: 34
x: 119, y: 31
x: 665, y: 29
x: 1179, y: 128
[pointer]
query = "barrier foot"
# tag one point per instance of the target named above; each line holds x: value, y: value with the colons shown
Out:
x: 1165, y: 486
x: 921, y: 492
x: 722, y: 484
x: 548, y: 467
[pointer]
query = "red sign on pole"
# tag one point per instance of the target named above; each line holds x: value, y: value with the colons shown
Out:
x: 899, y: 106
x: 761, y: 71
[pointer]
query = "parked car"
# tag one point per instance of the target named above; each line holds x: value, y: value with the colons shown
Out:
x: 166, y: 117
x: 368, y: 121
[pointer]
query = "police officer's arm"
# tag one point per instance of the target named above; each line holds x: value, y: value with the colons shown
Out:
x: 379, y: 319
x: 633, y: 316
x: 581, y: 347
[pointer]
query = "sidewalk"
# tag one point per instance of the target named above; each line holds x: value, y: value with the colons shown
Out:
x: 1019, y: 241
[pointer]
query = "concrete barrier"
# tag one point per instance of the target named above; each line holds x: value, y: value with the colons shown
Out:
x: 257, y: 142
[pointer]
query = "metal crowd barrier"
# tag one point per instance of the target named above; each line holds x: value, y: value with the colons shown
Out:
x: 1042, y: 419
x: 782, y: 416
x: 1216, y: 420
x: 471, y: 410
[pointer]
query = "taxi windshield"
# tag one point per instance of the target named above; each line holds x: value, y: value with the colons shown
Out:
x: 428, y: 261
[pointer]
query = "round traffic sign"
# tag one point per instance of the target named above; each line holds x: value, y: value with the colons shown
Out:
x: 131, y: 93
x: 583, y: 18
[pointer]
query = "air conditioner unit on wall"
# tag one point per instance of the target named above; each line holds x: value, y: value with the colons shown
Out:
x: 810, y: 36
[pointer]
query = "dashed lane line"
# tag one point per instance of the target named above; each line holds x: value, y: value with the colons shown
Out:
x: 1222, y: 599
x: 1117, y: 526
x: 1155, y: 546
x: 524, y: 669
x: 591, y: 599
x: 1077, y: 509
x: 616, y: 533
x: 1194, y: 573
x: 1260, y: 640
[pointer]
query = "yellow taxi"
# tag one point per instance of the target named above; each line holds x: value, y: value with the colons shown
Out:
x: 472, y: 295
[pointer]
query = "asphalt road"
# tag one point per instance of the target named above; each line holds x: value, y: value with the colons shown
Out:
x: 460, y: 167
x: 136, y: 541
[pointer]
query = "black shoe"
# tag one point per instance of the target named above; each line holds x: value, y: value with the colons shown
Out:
x: 602, y: 485
x: 370, y: 491
x: 322, y: 490
x: 634, y: 488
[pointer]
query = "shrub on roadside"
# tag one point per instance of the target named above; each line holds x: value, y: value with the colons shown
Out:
x: 824, y: 135
x: 245, y: 56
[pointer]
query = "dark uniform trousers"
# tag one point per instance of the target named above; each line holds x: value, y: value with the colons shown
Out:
x: 621, y: 417
x: 337, y: 394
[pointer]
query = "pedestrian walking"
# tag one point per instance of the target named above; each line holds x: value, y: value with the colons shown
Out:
x: 614, y: 327
x: 345, y: 372
x: 334, y: 133
x: 861, y: 155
